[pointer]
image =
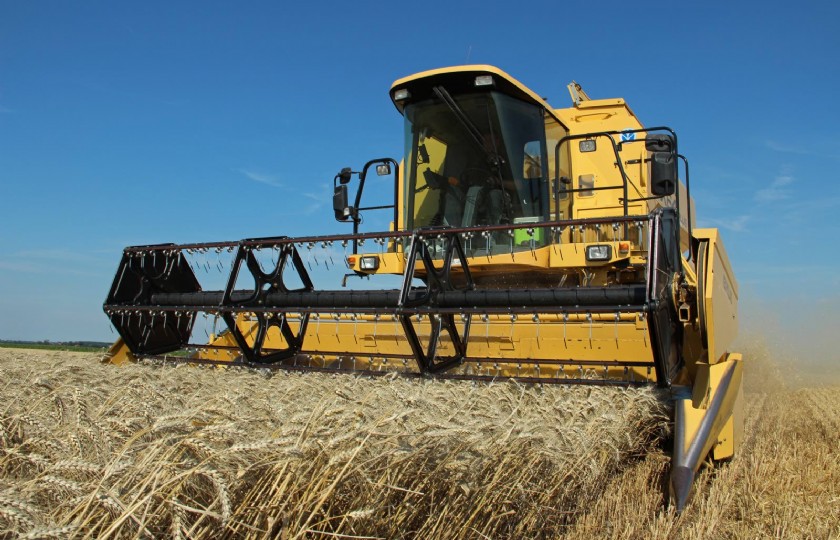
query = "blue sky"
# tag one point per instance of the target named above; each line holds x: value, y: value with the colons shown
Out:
x: 136, y: 123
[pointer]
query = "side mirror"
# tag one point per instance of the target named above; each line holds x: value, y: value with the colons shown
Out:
x: 663, y: 164
x: 341, y: 206
x: 344, y: 175
x: 663, y: 174
x: 659, y: 142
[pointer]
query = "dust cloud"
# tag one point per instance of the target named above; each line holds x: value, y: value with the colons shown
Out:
x: 800, y: 334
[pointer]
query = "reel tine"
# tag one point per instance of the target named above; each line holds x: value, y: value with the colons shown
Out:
x: 312, y: 254
x: 330, y: 252
x: 513, y: 319
x: 617, y: 318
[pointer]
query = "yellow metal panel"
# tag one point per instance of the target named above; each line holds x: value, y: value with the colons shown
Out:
x: 721, y: 292
x: 701, y: 390
x: 509, y: 261
x: 389, y: 262
x: 614, y: 115
x: 707, y: 379
x: 609, y: 210
x: 729, y: 415
x: 510, y: 346
x: 574, y: 255
x: 596, y: 116
x: 732, y: 434
x: 119, y: 353
x: 601, y: 103
x: 568, y: 255
x: 725, y: 446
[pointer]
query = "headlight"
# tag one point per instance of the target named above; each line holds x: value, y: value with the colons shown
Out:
x: 599, y: 252
x: 484, y: 80
x: 587, y: 146
x: 369, y: 263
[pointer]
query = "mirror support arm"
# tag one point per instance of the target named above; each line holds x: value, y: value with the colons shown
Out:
x: 362, y: 175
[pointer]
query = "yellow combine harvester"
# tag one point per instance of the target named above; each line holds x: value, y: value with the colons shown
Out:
x: 539, y: 244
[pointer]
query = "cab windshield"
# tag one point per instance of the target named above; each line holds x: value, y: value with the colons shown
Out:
x: 479, y: 159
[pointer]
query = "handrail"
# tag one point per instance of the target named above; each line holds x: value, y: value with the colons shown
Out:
x: 625, y: 179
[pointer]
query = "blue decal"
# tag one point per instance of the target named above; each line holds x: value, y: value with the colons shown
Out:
x: 627, y: 136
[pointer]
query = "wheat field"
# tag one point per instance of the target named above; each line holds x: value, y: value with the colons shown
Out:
x: 148, y: 451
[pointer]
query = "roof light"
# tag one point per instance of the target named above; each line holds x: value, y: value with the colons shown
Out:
x: 383, y: 169
x: 402, y: 94
x: 369, y: 263
x: 599, y: 252
x: 484, y: 80
x: 587, y: 145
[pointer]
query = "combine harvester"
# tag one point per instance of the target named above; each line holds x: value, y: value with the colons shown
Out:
x: 531, y: 243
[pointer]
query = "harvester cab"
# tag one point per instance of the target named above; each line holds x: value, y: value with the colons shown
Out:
x: 526, y: 242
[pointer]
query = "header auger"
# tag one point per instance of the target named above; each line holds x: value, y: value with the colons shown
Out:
x: 531, y: 243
